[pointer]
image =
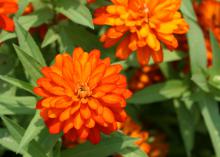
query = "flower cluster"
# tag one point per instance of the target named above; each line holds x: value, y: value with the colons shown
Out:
x: 141, y: 25
x: 156, y: 147
x: 145, y: 76
x: 82, y: 96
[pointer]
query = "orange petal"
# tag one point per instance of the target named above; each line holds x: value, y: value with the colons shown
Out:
x: 157, y: 56
x: 55, y: 127
x: 83, y: 133
x: 94, y: 136
x: 111, y: 99
x: 65, y: 115
x: 77, y: 52
x: 143, y: 55
x: 68, y: 125
x: 108, y: 115
x: 90, y: 123
x: 85, y: 112
x: 39, y: 91
x: 113, y: 69
x: 78, y: 122
x: 93, y: 103
x: 123, y: 50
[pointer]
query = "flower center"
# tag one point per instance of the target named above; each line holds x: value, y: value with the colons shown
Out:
x: 83, y: 92
x: 146, y: 9
x: 145, y: 12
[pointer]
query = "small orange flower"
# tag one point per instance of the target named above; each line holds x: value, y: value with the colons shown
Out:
x: 7, y: 7
x: 157, y: 147
x: 140, y: 25
x: 82, y: 96
x: 208, y: 12
x: 145, y: 76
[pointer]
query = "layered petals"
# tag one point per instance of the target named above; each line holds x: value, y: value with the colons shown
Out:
x: 141, y: 26
x: 156, y: 148
x: 82, y: 96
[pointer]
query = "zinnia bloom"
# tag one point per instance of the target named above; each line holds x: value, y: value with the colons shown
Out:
x: 141, y: 25
x: 145, y: 76
x: 208, y: 12
x: 82, y: 96
x: 157, y: 147
x: 7, y: 7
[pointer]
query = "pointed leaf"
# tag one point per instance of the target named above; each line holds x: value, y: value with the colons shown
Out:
x: 28, y: 45
x: 50, y: 37
x: 187, y: 127
x: 33, y: 149
x: 133, y: 152
x: 109, y: 145
x: 30, y: 65
x: 210, y: 112
x: 18, y: 83
x: 215, y: 51
x: 159, y: 92
x: 12, y: 105
x: 35, y: 127
x: 75, y: 11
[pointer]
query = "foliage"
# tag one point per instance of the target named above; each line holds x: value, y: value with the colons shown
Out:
x: 184, y: 105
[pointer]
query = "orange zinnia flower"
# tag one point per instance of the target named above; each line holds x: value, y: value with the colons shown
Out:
x: 82, y: 96
x: 145, y: 76
x: 141, y: 25
x: 208, y: 12
x: 157, y: 147
x: 7, y: 7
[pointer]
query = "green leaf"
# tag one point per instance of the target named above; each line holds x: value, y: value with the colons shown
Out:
x: 47, y: 140
x: 4, y: 36
x: 57, y: 150
x: 216, y: 52
x: 14, y: 129
x: 35, y: 127
x: 22, y: 5
x: 210, y: 112
x: 198, y: 57
x: 7, y: 141
x: 12, y: 105
x: 188, y: 10
x: 187, y: 127
x: 109, y: 145
x: 28, y: 45
x: 36, y: 18
x: 133, y: 152
x: 76, y: 12
x: 70, y: 37
x: 50, y: 37
x: 201, y: 81
x: 33, y: 149
x: 170, y: 56
x: 159, y: 92
x: 18, y: 83
x: 31, y: 66
x: 7, y: 59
